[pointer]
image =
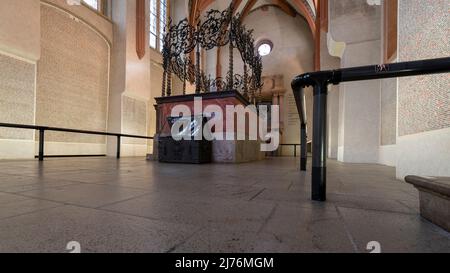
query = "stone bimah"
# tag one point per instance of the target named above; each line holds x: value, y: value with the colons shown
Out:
x: 183, y: 44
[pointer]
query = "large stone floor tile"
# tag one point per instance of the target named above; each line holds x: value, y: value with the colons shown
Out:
x: 220, y: 213
x: 375, y: 192
x: 25, y: 206
x: 97, y: 231
x: 95, y: 177
x: 220, y: 241
x: 261, y: 206
x: 86, y: 195
x: 229, y: 191
x: 278, y: 195
x: 369, y: 203
x: 16, y: 184
x: 396, y: 232
x: 316, y: 229
x: 6, y: 198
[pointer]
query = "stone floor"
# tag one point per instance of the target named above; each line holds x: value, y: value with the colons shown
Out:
x: 133, y: 205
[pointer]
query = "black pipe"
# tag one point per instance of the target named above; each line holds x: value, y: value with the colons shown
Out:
x: 394, y: 70
x: 41, y: 144
x: 320, y: 80
x: 303, y: 148
x: 319, y: 158
x: 118, y: 146
x: 373, y: 72
x: 299, y: 94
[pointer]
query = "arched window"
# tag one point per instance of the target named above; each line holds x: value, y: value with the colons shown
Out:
x: 158, y: 21
x: 95, y: 4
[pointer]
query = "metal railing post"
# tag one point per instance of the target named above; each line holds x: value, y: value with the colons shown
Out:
x: 299, y: 94
x: 303, y: 148
x: 320, y: 80
x: 118, y: 146
x: 41, y: 144
x: 319, y: 157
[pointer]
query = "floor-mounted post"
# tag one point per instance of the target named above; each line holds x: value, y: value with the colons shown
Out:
x: 41, y: 144
x: 118, y: 146
x: 303, y: 148
x: 319, y: 143
x: 299, y: 95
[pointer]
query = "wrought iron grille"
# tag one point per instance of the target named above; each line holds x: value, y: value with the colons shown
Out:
x: 183, y: 41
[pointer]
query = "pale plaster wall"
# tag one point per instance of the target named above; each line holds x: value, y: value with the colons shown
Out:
x: 423, y: 141
x: 17, y: 99
x: 333, y: 122
x: 20, y: 37
x: 354, y: 21
x: 292, y: 55
x: 328, y: 62
x: 73, y: 81
x: 388, y: 112
x: 138, y: 86
x: 388, y: 155
x: 179, y: 9
x: 132, y: 84
x: 358, y: 25
x: 19, y: 52
x: 156, y: 85
x: 137, y: 70
x: 100, y: 23
x: 388, y: 123
x: 134, y: 117
x: 17, y: 96
x: 426, y: 154
x: 360, y: 108
x: 22, y: 40
x: 134, y: 112
x: 118, y: 72
x: 388, y: 104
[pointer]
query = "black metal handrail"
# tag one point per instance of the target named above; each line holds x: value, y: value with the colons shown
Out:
x: 320, y: 81
x: 42, y: 130
x: 295, y: 148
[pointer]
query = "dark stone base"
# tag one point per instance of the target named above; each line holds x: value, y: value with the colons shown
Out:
x: 184, y: 151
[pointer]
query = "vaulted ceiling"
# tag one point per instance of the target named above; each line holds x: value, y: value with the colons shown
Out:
x: 315, y: 13
x: 306, y: 8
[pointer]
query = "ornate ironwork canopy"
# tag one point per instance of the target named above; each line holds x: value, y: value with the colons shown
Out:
x: 219, y: 29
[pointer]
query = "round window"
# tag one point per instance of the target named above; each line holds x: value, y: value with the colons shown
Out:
x: 264, y: 48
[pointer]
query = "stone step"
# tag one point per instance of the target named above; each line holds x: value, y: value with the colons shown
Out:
x: 434, y: 194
